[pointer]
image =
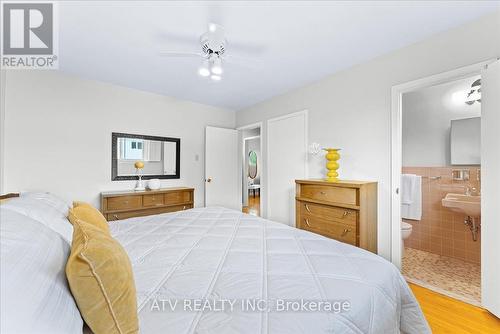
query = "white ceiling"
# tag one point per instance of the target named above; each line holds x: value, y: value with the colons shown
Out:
x: 290, y: 43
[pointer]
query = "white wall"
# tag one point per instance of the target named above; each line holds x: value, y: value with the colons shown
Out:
x: 2, y: 127
x: 427, y: 115
x: 58, y: 133
x: 352, y: 109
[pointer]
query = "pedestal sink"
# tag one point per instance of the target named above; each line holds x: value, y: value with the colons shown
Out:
x: 469, y: 205
x: 466, y: 204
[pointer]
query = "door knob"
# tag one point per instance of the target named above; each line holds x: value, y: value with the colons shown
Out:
x: 209, y: 179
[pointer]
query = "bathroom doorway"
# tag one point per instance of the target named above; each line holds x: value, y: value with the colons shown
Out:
x: 252, y: 166
x: 441, y: 187
x: 487, y: 176
x: 469, y: 179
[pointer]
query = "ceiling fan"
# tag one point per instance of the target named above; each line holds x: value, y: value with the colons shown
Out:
x: 212, y: 54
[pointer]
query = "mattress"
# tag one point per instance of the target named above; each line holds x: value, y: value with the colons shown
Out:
x: 215, y: 270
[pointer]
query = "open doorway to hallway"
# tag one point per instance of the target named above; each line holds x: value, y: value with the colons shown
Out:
x: 251, y: 169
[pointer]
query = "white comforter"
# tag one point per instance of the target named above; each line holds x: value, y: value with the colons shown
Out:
x: 191, y: 265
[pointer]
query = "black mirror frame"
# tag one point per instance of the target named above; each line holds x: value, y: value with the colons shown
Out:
x: 114, y: 160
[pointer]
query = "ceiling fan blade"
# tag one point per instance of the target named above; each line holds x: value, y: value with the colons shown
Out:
x: 241, y: 61
x: 245, y: 47
x: 180, y: 54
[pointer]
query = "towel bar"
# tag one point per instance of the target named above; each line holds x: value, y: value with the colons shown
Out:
x: 432, y: 177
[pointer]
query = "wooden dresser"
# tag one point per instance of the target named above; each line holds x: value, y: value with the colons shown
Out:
x: 344, y: 210
x: 117, y: 205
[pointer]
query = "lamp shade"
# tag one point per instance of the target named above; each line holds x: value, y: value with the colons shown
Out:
x: 139, y: 165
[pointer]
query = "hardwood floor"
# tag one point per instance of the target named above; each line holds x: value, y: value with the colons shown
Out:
x: 447, y: 315
x: 253, y: 207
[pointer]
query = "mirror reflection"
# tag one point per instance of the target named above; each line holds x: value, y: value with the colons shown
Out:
x: 252, y: 164
x: 160, y: 156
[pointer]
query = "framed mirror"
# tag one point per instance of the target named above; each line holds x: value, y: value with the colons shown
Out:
x: 465, y: 141
x: 160, y: 156
x: 252, y: 164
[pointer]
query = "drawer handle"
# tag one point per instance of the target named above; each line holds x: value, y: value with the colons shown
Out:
x: 307, y: 222
x: 345, y: 214
x: 115, y: 216
x: 307, y: 208
x: 125, y: 202
x: 346, y: 230
x: 322, y: 192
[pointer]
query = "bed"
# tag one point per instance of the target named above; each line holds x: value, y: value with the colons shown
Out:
x: 215, y: 270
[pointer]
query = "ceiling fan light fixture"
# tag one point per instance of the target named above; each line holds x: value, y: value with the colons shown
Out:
x: 212, y: 27
x: 215, y: 77
x: 216, y: 67
x: 203, y: 70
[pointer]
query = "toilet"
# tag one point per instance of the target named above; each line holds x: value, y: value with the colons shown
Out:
x: 405, y: 233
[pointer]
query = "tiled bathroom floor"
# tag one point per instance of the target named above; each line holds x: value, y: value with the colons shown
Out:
x: 449, y: 276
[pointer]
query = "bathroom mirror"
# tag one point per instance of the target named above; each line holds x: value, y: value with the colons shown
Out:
x: 160, y: 155
x: 465, y: 141
x: 252, y: 164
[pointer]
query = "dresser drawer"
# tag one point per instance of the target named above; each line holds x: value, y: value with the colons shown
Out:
x: 340, y: 215
x: 148, y: 212
x: 177, y: 197
x: 330, y: 194
x: 338, y: 231
x: 124, y: 202
x: 152, y: 200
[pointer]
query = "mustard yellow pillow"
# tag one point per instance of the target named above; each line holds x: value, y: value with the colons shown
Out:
x: 101, y: 281
x: 89, y: 214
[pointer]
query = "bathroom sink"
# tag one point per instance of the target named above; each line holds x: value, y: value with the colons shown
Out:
x: 466, y: 204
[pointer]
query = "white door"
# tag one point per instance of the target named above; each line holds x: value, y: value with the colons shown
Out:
x: 222, y: 176
x: 286, y: 161
x: 490, y: 188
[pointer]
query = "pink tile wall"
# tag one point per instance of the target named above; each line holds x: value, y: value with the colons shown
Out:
x: 442, y: 231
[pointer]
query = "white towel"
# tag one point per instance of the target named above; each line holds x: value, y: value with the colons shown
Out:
x: 411, y: 196
x: 407, y: 186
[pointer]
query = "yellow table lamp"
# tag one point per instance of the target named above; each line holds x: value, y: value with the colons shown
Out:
x: 139, y: 185
x: 332, y: 165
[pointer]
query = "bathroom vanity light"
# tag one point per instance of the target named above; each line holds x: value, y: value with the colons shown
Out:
x: 468, y: 96
x: 474, y: 95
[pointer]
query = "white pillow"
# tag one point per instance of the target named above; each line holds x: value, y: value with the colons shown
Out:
x: 42, y: 212
x: 34, y: 293
x: 50, y: 199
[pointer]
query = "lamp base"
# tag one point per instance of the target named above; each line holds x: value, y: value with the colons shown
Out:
x: 331, y: 164
x: 139, y: 186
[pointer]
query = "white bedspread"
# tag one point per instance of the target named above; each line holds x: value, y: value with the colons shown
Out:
x: 217, y: 256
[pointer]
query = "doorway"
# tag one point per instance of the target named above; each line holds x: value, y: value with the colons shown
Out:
x: 251, y: 169
x: 458, y: 177
x: 441, y: 157
x: 252, y: 165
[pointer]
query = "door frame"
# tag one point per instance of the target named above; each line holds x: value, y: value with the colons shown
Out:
x: 396, y: 141
x: 263, y: 185
x: 304, y: 112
